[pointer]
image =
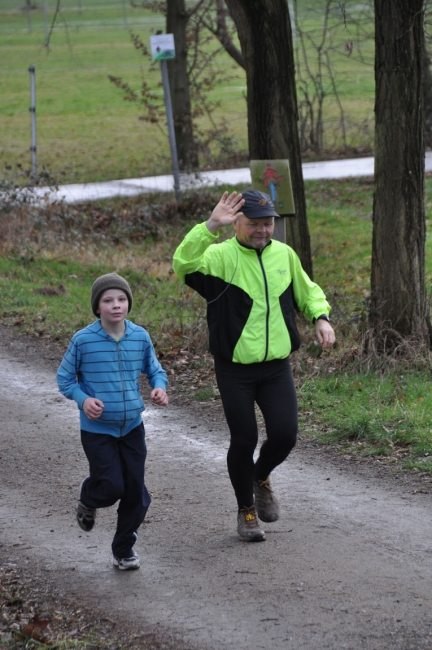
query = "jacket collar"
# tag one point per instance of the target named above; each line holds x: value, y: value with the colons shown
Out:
x: 97, y: 328
x: 248, y: 249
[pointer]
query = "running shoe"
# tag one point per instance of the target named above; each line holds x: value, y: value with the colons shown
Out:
x: 85, y: 516
x: 248, y: 526
x: 127, y: 563
x: 265, y: 501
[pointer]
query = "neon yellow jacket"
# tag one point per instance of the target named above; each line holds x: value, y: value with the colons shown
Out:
x: 251, y: 295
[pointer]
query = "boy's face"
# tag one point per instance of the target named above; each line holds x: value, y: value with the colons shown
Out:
x: 113, y: 306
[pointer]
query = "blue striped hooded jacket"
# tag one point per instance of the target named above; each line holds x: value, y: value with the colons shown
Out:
x: 95, y: 365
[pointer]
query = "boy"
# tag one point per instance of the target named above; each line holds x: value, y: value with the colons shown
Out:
x: 100, y: 371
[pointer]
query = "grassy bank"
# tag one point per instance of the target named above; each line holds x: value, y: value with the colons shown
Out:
x: 361, y: 406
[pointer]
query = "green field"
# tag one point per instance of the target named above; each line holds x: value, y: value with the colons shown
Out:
x: 85, y: 129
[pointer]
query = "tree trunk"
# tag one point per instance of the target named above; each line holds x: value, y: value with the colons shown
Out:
x: 176, y: 23
x: 427, y: 97
x: 398, y: 294
x: 264, y: 30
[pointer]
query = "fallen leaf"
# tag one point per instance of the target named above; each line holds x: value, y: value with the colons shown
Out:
x: 37, y: 629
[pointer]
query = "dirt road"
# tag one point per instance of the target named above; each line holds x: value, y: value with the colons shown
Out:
x: 349, y: 565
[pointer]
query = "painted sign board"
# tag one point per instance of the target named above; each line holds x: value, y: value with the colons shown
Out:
x: 274, y: 178
x: 162, y: 47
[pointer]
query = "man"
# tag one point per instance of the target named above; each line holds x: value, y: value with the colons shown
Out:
x: 253, y: 285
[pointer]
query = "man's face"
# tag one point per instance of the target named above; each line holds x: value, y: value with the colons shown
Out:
x: 254, y: 233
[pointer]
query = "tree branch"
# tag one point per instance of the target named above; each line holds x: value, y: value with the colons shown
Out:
x: 222, y: 34
x: 48, y: 38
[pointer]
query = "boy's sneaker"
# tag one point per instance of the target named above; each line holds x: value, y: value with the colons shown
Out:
x: 248, y: 526
x: 85, y: 516
x: 127, y: 563
x: 265, y: 501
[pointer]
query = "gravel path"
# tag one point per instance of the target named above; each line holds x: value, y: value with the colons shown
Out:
x: 349, y: 565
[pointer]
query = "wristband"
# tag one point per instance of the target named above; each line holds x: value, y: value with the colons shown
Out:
x: 322, y: 317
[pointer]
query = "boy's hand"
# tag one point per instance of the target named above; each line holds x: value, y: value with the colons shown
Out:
x: 159, y: 396
x: 92, y: 407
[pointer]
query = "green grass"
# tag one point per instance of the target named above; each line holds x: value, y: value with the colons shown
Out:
x: 373, y: 415
x: 34, y: 303
x: 19, y: 641
x: 85, y: 130
x: 84, y: 127
x: 340, y: 219
x: 386, y: 414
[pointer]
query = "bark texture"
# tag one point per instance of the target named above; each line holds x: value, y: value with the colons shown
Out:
x: 427, y: 97
x: 264, y: 30
x: 398, y: 294
x: 176, y: 23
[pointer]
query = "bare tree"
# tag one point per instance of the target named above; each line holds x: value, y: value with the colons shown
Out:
x: 398, y: 294
x: 264, y: 30
x: 176, y: 23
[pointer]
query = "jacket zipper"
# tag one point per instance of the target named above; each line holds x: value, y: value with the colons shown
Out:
x: 122, y: 385
x: 259, y: 253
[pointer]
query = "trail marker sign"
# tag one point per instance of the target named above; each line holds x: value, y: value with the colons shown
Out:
x: 274, y: 178
x: 162, y: 47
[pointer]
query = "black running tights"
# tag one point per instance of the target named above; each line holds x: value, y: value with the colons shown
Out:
x: 270, y: 385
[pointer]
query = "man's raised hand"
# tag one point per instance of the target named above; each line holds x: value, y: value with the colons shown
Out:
x: 226, y: 211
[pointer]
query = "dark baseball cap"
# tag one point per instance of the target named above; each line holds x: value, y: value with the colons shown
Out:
x: 258, y: 205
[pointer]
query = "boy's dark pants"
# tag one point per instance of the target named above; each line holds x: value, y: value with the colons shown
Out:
x: 117, y: 472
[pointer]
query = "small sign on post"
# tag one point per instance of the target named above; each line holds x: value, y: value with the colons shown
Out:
x: 274, y: 178
x: 163, y: 49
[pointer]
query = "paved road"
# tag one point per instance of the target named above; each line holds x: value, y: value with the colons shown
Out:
x: 134, y: 186
x: 349, y: 565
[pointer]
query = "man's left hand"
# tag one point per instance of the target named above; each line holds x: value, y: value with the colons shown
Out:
x: 324, y: 333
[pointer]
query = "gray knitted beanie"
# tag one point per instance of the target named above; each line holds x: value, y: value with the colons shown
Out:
x: 109, y: 281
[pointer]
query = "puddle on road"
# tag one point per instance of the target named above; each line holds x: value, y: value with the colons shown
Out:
x: 17, y: 378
